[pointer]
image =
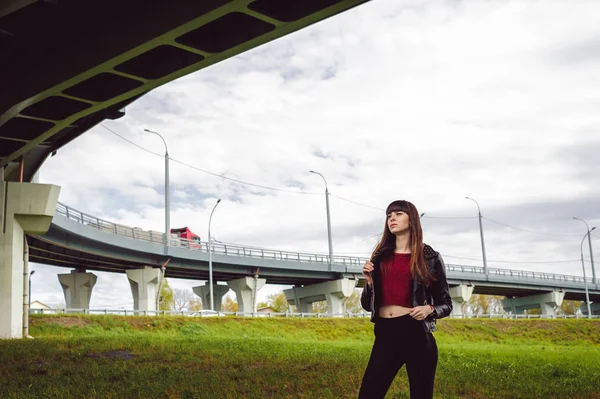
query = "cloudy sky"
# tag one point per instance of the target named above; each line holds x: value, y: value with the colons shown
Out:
x: 425, y: 101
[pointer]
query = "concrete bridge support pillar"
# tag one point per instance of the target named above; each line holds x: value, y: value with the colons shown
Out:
x: 144, y: 287
x: 246, y: 289
x: 203, y: 291
x: 460, y: 294
x: 24, y: 208
x: 77, y: 287
x: 334, y: 292
x: 547, y: 303
x: 594, y: 307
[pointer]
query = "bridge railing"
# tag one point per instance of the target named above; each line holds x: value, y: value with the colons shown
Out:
x: 131, y: 312
x: 217, y: 247
x: 263, y: 253
x: 109, y: 227
x: 227, y: 249
x: 517, y: 273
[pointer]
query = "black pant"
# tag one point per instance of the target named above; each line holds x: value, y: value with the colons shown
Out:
x: 400, y: 340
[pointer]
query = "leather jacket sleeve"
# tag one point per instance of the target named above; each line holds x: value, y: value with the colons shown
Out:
x: 365, y: 298
x: 442, y: 302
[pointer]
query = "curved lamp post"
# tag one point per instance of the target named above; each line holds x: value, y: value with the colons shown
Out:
x: 328, y: 219
x: 594, y: 281
x: 587, y: 294
x: 485, y: 269
x: 30, y: 274
x: 167, y: 200
x: 210, y: 251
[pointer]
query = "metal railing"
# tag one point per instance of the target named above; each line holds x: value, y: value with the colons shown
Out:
x: 220, y: 248
x: 517, y: 273
x: 132, y: 312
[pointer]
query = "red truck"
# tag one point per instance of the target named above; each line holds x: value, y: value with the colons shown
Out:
x: 190, y: 237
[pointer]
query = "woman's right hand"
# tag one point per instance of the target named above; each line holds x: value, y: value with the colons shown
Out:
x: 367, y: 269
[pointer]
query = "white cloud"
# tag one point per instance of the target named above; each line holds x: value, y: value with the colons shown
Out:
x: 424, y: 101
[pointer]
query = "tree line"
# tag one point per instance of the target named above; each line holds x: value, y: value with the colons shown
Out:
x: 180, y: 299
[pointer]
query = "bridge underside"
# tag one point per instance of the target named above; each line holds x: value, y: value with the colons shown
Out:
x: 67, y: 65
x: 44, y: 250
x: 511, y: 291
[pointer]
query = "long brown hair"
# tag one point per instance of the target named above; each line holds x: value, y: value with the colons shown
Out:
x: 387, y: 244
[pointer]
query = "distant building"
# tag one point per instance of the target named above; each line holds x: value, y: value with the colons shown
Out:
x: 39, y: 305
x: 266, y: 310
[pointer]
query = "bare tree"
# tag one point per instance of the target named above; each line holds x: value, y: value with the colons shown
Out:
x: 182, y: 299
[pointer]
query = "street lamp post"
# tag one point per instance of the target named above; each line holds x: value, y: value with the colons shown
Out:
x: 328, y: 220
x: 587, y: 294
x: 30, y: 274
x: 591, y: 252
x: 167, y: 196
x: 485, y: 269
x: 210, y: 250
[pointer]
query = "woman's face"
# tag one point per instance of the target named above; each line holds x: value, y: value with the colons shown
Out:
x: 398, y: 222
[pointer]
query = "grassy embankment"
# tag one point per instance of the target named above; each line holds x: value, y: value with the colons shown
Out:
x: 179, y: 357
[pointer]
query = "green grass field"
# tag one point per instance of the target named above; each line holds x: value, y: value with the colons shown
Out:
x: 229, y: 357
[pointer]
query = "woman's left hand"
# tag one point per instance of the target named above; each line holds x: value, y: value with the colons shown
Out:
x: 420, y: 312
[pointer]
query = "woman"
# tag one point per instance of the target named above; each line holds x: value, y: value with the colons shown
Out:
x: 406, y: 291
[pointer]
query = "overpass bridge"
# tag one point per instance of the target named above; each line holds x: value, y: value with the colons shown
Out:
x: 68, y: 65
x: 85, y: 242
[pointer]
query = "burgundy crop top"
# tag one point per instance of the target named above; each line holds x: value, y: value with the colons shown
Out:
x: 396, y: 280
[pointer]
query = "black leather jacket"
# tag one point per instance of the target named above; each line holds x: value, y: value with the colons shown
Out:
x: 437, y: 294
